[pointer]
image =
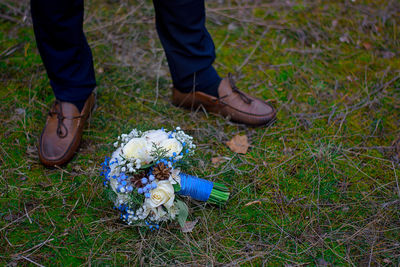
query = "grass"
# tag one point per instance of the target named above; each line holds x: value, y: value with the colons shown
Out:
x: 318, y: 187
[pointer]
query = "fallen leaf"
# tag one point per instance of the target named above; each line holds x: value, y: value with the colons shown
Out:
x: 239, y: 144
x: 322, y: 262
x: 387, y: 261
x: 232, y: 27
x: 189, y: 226
x: 12, y: 264
x: 218, y: 160
x: 252, y: 203
x: 344, y: 39
x: 20, y: 111
x: 367, y: 46
x: 388, y: 54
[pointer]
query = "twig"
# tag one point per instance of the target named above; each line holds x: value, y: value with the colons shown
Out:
x: 158, y: 77
x: 397, y: 180
x: 28, y: 259
x: 252, y: 51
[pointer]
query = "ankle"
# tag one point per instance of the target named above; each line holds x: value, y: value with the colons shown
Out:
x: 212, y: 89
x: 79, y: 104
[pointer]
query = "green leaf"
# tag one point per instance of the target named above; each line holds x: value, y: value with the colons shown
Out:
x: 177, y: 187
x: 183, y: 212
x: 143, y: 167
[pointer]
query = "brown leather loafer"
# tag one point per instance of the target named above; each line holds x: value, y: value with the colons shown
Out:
x: 233, y: 103
x: 62, y: 133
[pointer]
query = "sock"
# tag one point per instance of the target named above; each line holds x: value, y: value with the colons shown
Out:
x: 212, y: 90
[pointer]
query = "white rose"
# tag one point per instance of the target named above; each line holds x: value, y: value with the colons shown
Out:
x: 155, y: 136
x: 137, y: 148
x: 162, y: 195
x: 172, y: 145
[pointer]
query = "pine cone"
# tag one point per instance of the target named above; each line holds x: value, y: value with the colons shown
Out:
x: 161, y: 172
x: 136, y: 179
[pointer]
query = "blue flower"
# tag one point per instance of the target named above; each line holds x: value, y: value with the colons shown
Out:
x: 140, y: 190
x: 151, y: 178
x: 147, y: 195
x: 144, y: 180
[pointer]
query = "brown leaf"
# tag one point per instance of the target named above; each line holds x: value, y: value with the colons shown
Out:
x: 218, y: 160
x: 252, y: 203
x: 239, y: 144
x: 189, y: 226
x: 367, y: 46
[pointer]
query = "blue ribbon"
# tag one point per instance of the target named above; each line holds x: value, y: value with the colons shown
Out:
x: 195, y: 187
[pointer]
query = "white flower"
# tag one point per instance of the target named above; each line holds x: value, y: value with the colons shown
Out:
x: 173, y: 211
x: 172, y: 145
x: 158, y: 213
x: 162, y: 195
x: 174, y: 178
x: 113, y: 184
x: 137, y: 148
x: 155, y: 136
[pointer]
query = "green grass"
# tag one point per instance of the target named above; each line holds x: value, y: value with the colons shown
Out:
x: 320, y: 186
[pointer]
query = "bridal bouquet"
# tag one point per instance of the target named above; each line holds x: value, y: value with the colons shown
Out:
x: 143, y: 177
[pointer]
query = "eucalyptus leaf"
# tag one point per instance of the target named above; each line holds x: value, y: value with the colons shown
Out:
x: 183, y: 212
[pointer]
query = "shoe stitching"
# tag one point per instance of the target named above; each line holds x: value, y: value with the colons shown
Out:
x: 60, y: 119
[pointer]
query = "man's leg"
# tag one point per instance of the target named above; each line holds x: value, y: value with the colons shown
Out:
x: 190, y: 54
x: 188, y: 46
x: 58, y: 27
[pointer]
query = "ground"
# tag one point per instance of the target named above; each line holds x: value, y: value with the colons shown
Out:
x: 320, y: 186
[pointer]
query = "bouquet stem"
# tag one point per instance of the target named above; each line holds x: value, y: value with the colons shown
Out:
x: 203, y: 190
x: 219, y: 194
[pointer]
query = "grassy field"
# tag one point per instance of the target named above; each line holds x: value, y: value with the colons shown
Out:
x: 318, y: 187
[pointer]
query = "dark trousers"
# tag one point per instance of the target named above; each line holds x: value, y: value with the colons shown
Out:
x: 58, y: 27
